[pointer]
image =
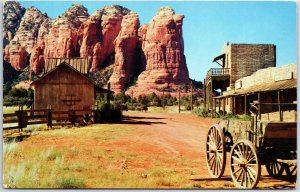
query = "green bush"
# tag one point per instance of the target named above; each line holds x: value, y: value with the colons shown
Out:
x: 71, y: 183
x: 202, y: 112
x: 229, y: 116
x: 18, y: 96
x: 107, y: 113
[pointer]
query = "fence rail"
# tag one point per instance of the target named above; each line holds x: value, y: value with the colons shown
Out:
x: 50, y: 117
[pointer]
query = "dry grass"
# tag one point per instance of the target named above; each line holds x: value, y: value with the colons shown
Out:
x: 82, y: 158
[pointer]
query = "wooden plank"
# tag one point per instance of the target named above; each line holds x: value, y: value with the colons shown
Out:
x: 60, y: 112
x: 54, y: 124
x: 36, y: 116
x: 36, y: 110
x: 36, y: 122
x: 9, y: 128
x: 9, y: 115
x: 10, y: 121
x: 61, y: 118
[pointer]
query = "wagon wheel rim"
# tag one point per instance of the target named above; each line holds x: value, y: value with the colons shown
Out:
x: 274, y: 168
x: 215, y: 152
x: 245, y: 167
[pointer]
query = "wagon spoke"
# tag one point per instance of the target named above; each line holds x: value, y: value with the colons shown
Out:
x: 237, y: 170
x: 215, y: 152
x: 210, y: 158
x: 252, y: 170
x: 250, y: 174
x: 238, y: 154
x: 243, y: 174
x: 236, y: 158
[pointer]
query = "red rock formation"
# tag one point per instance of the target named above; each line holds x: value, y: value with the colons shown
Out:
x: 111, y: 35
x: 125, y: 45
x: 37, y: 60
x: 111, y: 19
x: 17, y: 56
x: 23, y: 43
x: 62, y: 38
x: 163, y: 51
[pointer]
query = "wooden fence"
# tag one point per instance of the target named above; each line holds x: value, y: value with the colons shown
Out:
x: 21, y: 118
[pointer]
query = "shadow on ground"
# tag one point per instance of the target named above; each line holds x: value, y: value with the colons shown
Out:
x: 140, y: 120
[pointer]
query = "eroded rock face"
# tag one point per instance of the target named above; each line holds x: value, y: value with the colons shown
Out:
x: 23, y: 43
x: 125, y: 48
x: 111, y: 19
x: 12, y: 15
x: 162, y: 52
x: 111, y: 38
x: 62, y: 38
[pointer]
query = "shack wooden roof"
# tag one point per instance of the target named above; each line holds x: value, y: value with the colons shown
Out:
x: 79, y: 63
x: 63, y: 64
x: 273, y: 86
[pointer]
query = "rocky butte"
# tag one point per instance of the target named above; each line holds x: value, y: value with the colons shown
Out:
x: 143, y: 59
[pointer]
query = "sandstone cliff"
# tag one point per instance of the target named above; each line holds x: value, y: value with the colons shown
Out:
x: 125, y: 48
x: 23, y: 43
x: 12, y: 15
x: 150, y: 57
x: 162, y: 53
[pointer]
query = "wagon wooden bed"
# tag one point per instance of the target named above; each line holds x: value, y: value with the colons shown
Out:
x: 252, y: 144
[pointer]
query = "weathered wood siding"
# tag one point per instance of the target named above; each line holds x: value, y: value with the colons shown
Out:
x: 61, y: 85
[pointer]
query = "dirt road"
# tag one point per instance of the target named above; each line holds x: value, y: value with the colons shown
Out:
x: 182, y: 135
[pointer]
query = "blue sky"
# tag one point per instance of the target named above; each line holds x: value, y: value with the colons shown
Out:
x: 209, y: 25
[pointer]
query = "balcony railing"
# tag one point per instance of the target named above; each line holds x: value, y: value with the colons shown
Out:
x: 218, y: 72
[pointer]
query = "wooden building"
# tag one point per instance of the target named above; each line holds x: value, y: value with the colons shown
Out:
x: 236, y: 61
x: 274, y: 85
x: 64, y: 87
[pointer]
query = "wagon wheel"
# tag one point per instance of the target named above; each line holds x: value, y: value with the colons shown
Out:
x: 245, y: 167
x: 274, y: 168
x: 215, y: 152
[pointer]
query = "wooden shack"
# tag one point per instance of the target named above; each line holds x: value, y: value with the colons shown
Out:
x: 63, y: 87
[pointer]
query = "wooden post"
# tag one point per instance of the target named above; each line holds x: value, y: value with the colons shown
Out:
x: 73, y: 116
x: 245, y: 112
x: 132, y: 99
x: 178, y: 99
x: 224, y: 103
x: 279, y: 107
x: 219, y: 104
x: 108, y: 94
x: 212, y: 108
x: 204, y: 93
x: 259, y: 110
x: 234, y: 105
x: 163, y: 99
x: 295, y: 112
x: 49, y: 116
x: 231, y: 107
x: 191, y: 96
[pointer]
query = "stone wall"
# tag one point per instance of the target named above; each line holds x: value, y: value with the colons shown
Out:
x: 245, y: 59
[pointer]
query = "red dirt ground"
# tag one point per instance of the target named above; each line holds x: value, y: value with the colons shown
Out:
x: 169, y: 135
x: 172, y: 134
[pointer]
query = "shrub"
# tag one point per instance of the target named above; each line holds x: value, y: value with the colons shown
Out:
x: 108, y: 113
x: 71, y: 183
x: 229, y: 116
x: 202, y: 112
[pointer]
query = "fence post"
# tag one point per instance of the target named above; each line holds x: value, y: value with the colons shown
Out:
x: 22, y: 120
x: 49, y: 116
x: 19, y: 115
x: 73, y: 117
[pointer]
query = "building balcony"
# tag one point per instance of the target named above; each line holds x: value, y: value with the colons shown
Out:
x: 217, y: 72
